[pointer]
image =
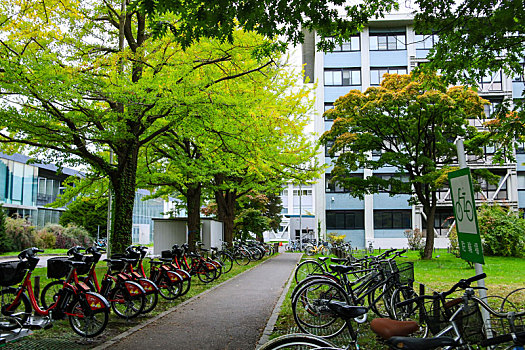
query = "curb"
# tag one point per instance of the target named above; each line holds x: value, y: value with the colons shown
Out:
x: 130, y: 331
x: 268, y: 330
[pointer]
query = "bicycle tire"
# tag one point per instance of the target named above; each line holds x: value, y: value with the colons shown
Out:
x: 7, y: 297
x: 124, y: 305
x: 205, y: 274
x: 296, y: 341
x: 168, y: 289
x: 381, y: 307
x: 226, y: 260
x: 49, y: 293
x: 307, y: 268
x: 310, y: 310
x: 241, y: 257
x: 410, y: 312
x: 87, y: 324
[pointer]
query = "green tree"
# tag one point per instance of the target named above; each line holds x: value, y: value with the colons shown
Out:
x: 473, y: 34
x: 412, y: 120
x: 89, y: 213
x: 85, y: 80
x: 271, y: 18
x: 251, y: 221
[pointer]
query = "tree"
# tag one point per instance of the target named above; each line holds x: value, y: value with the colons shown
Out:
x: 70, y: 86
x: 475, y: 36
x: 271, y: 18
x: 88, y: 212
x: 413, y: 120
x: 251, y: 221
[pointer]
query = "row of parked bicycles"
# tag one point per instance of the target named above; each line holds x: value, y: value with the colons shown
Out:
x: 336, y: 295
x: 129, y: 287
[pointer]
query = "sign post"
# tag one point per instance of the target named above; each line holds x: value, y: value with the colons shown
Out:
x: 469, y: 240
x: 466, y: 218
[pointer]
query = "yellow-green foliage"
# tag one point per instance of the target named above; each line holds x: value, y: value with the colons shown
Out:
x: 335, y: 238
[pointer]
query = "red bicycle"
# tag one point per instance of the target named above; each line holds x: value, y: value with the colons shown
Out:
x: 88, y: 312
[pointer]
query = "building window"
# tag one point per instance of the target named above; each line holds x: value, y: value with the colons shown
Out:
x: 392, y: 219
x: 302, y: 192
x: 491, y: 82
x: 425, y: 42
x: 335, y: 187
x: 345, y: 219
x: 342, y: 77
x: 328, y: 146
x: 387, y: 41
x: 328, y: 106
x: 351, y: 45
x: 376, y: 74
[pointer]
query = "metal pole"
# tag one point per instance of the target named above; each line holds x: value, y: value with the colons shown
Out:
x: 477, y: 267
x: 300, y: 217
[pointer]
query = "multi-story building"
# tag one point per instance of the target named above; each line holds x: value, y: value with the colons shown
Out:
x: 391, y: 45
x: 25, y: 189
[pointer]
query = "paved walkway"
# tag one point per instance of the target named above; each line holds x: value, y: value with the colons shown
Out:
x: 231, y: 316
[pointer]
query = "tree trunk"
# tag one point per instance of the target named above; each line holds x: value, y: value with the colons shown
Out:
x: 429, y: 244
x: 123, y: 183
x: 193, y: 200
x: 226, y: 212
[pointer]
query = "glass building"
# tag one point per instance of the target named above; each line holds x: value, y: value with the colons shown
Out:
x: 25, y: 189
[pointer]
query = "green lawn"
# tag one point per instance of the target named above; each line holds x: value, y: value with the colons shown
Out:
x: 47, y: 251
x: 444, y: 270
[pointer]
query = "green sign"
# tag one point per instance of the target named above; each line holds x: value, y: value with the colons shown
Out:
x: 465, y: 214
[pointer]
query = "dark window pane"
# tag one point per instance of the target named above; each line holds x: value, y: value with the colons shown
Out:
x: 350, y: 220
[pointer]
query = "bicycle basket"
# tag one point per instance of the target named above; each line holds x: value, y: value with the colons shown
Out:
x: 166, y: 254
x: 83, y: 269
x: 57, y: 267
x: 12, y: 272
x: 469, y: 320
x: 116, y: 266
x: 406, y: 272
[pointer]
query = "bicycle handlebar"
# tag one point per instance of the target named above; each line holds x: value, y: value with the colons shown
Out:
x: 519, y: 336
x: 75, y: 250
x: 463, y: 284
x: 29, y: 253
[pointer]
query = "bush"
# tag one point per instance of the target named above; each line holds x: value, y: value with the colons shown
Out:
x: 454, y: 243
x: 6, y: 242
x: 69, y: 236
x: 502, y: 231
x: 335, y: 238
x: 46, y: 239
x: 22, y: 234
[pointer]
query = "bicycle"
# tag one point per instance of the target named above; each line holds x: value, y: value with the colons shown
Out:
x: 313, y: 249
x: 88, y: 312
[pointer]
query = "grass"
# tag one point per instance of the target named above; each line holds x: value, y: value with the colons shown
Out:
x: 444, y: 270
x: 62, y: 336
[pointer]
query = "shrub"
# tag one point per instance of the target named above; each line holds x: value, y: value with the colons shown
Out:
x: 502, y: 231
x: 453, y: 242
x: 23, y: 235
x: 69, y: 236
x: 335, y: 238
x: 46, y: 239
x: 416, y: 241
x: 6, y: 242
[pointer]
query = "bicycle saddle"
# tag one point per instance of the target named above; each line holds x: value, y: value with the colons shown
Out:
x: 407, y: 343
x: 341, y: 268
x: 346, y: 311
x: 387, y: 328
x: 324, y: 258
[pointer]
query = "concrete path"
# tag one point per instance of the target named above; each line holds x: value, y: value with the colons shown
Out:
x: 231, y: 316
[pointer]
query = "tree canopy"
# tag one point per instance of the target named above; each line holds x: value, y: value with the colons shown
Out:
x: 409, y: 124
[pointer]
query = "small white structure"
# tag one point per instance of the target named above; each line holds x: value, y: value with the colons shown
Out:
x: 170, y: 231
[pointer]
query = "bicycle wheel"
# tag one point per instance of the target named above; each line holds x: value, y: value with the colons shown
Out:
x: 297, y: 341
x: 7, y: 297
x: 307, y: 268
x: 49, y: 293
x: 309, y: 251
x: 409, y: 312
x: 241, y: 257
x: 381, y: 306
x: 311, y: 312
x: 324, y: 250
x: 123, y: 304
x: 168, y: 289
x: 152, y: 294
x: 206, y: 274
x: 218, y: 267
x: 226, y: 260
x: 87, y: 324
